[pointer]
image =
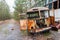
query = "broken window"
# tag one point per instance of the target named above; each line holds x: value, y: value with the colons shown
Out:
x: 50, y: 6
x: 55, y: 5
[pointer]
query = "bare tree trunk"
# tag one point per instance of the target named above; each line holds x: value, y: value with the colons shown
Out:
x: 30, y: 3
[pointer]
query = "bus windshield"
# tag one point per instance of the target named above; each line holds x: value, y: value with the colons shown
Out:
x: 33, y: 15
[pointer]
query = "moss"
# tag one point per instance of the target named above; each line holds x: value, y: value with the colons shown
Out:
x: 46, y: 34
x: 24, y: 32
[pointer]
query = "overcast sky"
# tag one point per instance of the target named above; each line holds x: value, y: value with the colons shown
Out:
x: 11, y: 4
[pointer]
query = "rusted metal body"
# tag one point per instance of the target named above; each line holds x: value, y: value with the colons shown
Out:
x: 36, y: 21
x: 32, y: 25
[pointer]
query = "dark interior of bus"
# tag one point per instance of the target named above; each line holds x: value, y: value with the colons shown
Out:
x: 41, y: 23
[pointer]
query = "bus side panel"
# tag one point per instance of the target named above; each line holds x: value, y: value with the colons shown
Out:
x: 23, y: 24
x: 31, y: 23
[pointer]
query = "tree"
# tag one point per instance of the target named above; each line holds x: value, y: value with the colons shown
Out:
x: 36, y: 1
x: 4, y: 10
x: 16, y: 16
x: 20, y: 7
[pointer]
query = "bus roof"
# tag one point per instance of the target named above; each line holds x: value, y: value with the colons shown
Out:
x: 38, y: 9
